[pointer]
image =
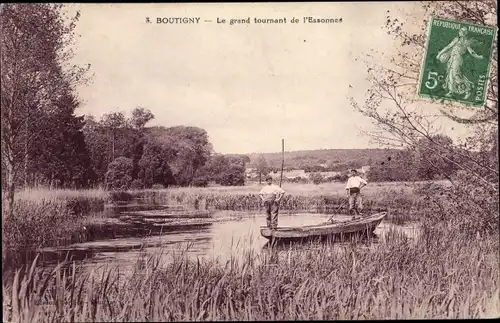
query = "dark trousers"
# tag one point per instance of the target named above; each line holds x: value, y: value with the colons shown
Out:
x: 272, y: 209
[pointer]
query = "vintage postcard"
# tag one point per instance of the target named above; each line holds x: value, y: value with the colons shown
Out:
x: 249, y: 161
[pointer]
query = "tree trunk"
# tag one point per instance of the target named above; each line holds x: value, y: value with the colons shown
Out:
x: 113, y: 147
x: 26, y: 156
x: 260, y: 178
x: 10, y: 189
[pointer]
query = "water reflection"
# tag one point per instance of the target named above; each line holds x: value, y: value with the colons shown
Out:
x: 219, y: 237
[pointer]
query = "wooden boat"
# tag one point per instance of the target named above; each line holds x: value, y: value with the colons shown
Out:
x: 362, y: 225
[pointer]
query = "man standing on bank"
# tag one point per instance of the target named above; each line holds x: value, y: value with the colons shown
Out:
x: 271, y: 195
x: 353, y: 187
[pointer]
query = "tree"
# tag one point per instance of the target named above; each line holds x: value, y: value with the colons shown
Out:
x: 153, y: 165
x: 97, y: 144
x: 234, y: 175
x: 191, y: 148
x: 119, y: 174
x: 61, y: 155
x: 435, y: 160
x: 213, y: 168
x: 391, y: 102
x: 112, y: 122
x: 224, y: 170
x: 316, y: 178
x: 140, y: 117
x: 240, y: 160
x: 400, y: 166
x: 35, y: 46
x: 262, y: 167
x: 470, y: 205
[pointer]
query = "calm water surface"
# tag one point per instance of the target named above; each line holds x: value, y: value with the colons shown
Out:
x: 225, y: 234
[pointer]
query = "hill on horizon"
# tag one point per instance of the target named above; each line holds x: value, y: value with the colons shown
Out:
x: 332, y: 159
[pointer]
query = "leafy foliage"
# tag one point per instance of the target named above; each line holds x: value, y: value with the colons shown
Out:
x: 262, y: 167
x: 322, y: 159
x: 119, y: 174
x: 223, y: 170
x: 470, y: 165
x: 317, y: 178
x: 36, y: 84
x: 153, y: 165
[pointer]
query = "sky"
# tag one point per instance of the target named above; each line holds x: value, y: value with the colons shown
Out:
x: 247, y: 85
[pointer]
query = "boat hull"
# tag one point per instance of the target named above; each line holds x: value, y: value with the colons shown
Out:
x: 362, y: 226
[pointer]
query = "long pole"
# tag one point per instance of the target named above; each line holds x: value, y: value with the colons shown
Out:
x: 282, y: 159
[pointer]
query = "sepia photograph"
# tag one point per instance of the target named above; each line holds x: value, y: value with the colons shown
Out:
x: 249, y: 161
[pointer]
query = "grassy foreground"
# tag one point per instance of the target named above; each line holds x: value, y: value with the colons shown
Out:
x: 437, y: 277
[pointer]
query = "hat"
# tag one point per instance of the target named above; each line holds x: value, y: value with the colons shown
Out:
x: 269, y: 177
x: 354, y: 170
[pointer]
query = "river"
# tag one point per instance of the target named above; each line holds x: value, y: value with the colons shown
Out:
x: 170, y: 230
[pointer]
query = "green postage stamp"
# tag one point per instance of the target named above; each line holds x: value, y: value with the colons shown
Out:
x: 457, y: 61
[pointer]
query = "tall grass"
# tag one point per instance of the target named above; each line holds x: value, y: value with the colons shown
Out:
x: 402, y: 202
x: 80, y: 202
x: 398, y: 197
x: 433, y: 278
x: 50, y: 194
x: 43, y: 217
x: 38, y: 224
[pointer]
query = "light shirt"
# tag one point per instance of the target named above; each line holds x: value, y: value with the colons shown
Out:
x: 355, y: 181
x: 271, y: 192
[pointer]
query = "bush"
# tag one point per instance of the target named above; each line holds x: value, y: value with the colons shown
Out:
x: 38, y: 224
x: 136, y: 184
x: 317, y: 178
x: 234, y: 176
x: 201, y: 181
x: 120, y: 196
x: 467, y: 208
x: 119, y: 174
x: 341, y: 177
x: 298, y: 180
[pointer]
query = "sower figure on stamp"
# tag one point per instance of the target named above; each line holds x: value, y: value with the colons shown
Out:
x: 353, y: 188
x: 271, y: 195
x: 456, y: 82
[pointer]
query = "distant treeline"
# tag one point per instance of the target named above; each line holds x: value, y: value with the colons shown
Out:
x: 116, y: 152
x: 45, y: 143
x: 428, y: 159
x: 321, y: 160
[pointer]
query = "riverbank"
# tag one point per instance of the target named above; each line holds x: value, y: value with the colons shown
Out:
x: 52, y: 218
x: 434, y: 277
x: 399, y: 198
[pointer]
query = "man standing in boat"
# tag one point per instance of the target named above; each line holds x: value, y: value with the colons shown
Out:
x: 354, y: 185
x: 271, y: 195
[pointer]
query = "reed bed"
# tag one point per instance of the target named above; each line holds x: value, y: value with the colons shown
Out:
x: 80, y: 202
x: 299, y: 189
x: 402, y: 202
x: 45, y: 217
x: 327, y: 197
x: 396, y: 279
x: 42, y: 223
x: 46, y: 194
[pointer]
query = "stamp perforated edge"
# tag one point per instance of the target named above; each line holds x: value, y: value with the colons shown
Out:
x: 454, y: 103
